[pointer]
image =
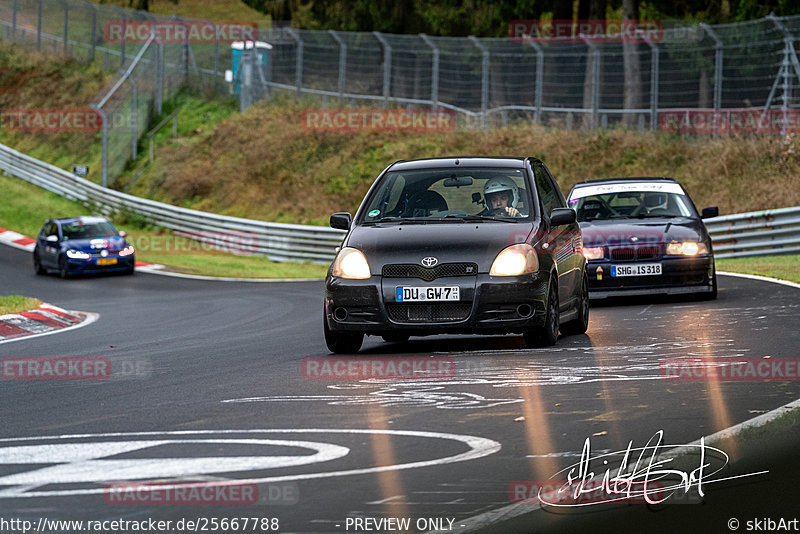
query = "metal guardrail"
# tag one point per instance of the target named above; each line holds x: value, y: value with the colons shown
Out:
x: 756, y: 233
x: 276, y: 241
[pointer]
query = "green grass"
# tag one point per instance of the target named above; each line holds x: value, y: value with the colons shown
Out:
x: 18, y: 303
x: 783, y: 267
x: 24, y: 207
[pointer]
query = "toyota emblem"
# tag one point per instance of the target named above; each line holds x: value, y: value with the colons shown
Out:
x: 430, y: 261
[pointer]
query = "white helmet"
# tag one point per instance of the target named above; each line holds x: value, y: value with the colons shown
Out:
x: 502, y: 183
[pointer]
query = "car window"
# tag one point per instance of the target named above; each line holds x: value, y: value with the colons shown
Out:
x: 630, y: 203
x: 547, y: 192
x: 439, y: 193
x: 78, y: 230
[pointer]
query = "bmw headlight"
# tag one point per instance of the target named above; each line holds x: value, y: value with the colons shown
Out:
x: 127, y: 251
x: 351, y: 263
x: 78, y: 255
x: 687, y: 248
x: 515, y: 260
x: 593, y: 253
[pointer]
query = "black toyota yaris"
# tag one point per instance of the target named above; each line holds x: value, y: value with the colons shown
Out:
x: 471, y: 245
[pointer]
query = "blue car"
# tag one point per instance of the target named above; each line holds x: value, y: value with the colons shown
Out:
x: 82, y: 245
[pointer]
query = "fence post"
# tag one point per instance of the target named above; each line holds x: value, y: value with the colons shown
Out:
x: 538, y: 81
x: 789, y: 60
x: 298, y: 64
x: 654, y: 64
x: 387, y: 66
x: 216, y: 61
x: 434, y: 70
x: 124, y: 36
x: 39, y: 27
x: 718, y: 44
x: 14, y: 22
x: 342, y: 63
x: 484, y: 80
x: 93, y: 44
x: 134, y: 117
x: 595, y: 51
x: 104, y: 153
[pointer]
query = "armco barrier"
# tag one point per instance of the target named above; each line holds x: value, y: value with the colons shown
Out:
x: 757, y: 233
x: 276, y: 241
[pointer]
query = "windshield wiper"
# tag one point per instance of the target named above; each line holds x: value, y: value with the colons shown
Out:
x: 477, y: 218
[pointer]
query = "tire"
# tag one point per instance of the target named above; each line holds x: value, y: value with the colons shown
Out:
x: 580, y: 324
x: 37, y: 265
x: 547, y: 334
x: 130, y: 271
x: 395, y: 338
x: 342, y: 342
x: 63, y: 268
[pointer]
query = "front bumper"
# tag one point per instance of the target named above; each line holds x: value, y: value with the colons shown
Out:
x: 91, y: 265
x: 679, y: 275
x: 488, y: 304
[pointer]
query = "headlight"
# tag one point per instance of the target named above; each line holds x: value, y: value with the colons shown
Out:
x: 515, y: 260
x: 687, y: 248
x: 127, y: 251
x: 593, y: 253
x: 78, y: 255
x: 351, y: 263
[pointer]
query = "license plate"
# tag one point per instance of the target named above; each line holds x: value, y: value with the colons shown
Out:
x: 420, y: 294
x: 642, y: 269
x: 106, y: 261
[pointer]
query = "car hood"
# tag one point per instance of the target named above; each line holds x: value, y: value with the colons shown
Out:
x: 479, y: 243
x: 641, y: 231
x: 111, y: 244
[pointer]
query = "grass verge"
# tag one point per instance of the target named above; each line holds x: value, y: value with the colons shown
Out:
x: 783, y: 267
x: 18, y: 303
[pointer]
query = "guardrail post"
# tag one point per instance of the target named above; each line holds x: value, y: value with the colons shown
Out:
x: 39, y: 27
x: 484, y: 81
x: 387, y: 66
x: 342, y: 63
x: 298, y: 64
x: 538, y: 81
x: 718, y: 50
x: 434, y: 70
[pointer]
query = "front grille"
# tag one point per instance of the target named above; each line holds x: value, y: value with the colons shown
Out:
x: 429, y: 313
x: 646, y: 252
x: 444, y: 270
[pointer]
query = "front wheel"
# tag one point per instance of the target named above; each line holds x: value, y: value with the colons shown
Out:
x: 580, y: 324
x: 63, y: 268
x: 547, y: 334
x: 342, y: 342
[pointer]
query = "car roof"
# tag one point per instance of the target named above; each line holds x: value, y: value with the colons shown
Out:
x: 625, y: 180
x: 85, y: 219
x: 463, y: 161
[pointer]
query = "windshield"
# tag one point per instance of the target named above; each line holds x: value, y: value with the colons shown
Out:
x: 88, y: 230
x: 656, y: 201
x: 471, y: 193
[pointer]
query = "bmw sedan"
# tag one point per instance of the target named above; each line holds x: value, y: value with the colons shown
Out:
x: 644, y: 236
x: 82, y: 245
x: 473, y: 245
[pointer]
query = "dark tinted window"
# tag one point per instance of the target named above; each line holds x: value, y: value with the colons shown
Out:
x: 93, y: 230
x: 548, y: 194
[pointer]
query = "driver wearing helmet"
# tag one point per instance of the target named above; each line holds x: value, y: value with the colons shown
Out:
x: 502, y: 197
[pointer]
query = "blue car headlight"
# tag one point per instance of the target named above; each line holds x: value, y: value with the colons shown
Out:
x: 78, y: 255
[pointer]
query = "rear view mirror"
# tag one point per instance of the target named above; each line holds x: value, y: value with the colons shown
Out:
x: 458, y: 181
x: 123, y: 233
x: 709, y: 213
x: 52, y: 239
x: 341, y: 221
x: 561, y: 216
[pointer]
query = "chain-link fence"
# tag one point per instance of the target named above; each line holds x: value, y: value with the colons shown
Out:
x: 699, y: 78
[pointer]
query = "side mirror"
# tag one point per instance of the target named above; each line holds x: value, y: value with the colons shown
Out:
x: 52, y: 239
x: 561, y: 216
x: 709, y: 213
x: 341, y: 221
x: 123, y: 233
